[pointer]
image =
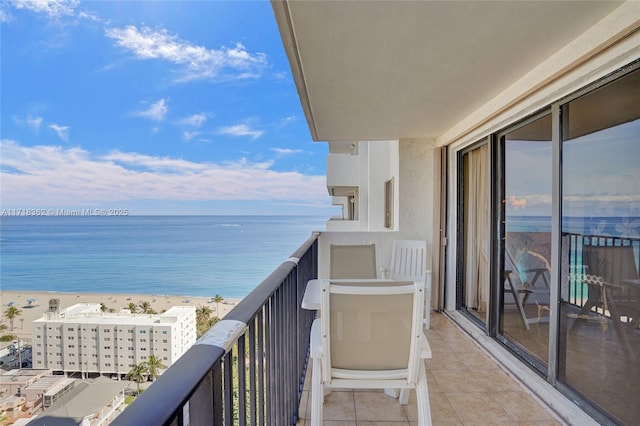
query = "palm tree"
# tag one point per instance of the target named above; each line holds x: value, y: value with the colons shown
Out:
x: 203, y: 315
x: 11, y: 313
x: 203, y: 312
x: 132, y: 307
x: 103, y: 307
x: 146, y: 307
x: 218, y: 299
x: 138, y: 373
x: 154, y: 365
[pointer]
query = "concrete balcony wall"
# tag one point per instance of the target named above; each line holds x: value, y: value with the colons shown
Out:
x: 364, y: 175
x: 343, y: 170
x: 343, y: 203
x: 414, y: 215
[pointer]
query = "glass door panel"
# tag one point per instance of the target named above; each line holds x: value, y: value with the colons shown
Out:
x: 526, y: 233
x: 599, y: 284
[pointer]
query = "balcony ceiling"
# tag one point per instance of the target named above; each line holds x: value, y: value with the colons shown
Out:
x: 371, y: 70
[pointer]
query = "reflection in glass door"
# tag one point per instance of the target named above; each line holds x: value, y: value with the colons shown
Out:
x: 526, y: 233
x: 475, y: 232
x: 600, y: 280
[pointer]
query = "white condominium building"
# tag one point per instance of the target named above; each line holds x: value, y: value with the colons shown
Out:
x: 82, y: 338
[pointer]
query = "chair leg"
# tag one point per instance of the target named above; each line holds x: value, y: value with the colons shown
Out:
x: 427, y: 308
x: 317, y: 393
x: 422, y: 394
x: 393, y: 393
x: 404, y: 396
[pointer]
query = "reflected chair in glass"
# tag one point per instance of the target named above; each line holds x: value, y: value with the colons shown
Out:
x: 611, y: 275
x: 524, y: 284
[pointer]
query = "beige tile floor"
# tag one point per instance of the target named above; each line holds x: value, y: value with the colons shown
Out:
x: 466, y: 387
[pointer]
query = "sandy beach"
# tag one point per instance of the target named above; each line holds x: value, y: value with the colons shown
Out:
x: 40, y: 303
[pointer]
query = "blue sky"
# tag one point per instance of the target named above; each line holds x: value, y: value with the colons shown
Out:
x: 156, y: 107
x: 600, y: 174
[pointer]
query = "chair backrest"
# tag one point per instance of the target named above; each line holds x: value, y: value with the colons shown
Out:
x: 524, y: 263
x: 352, y: 261
x: 409, y: 260
x: 371, y: 329
x: 613, y: 263
x: 510, y: 264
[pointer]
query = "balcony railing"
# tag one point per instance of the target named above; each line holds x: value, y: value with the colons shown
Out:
x: 578, y: 292
x: 249, y: 368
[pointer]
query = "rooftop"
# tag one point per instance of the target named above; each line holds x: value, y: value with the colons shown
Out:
x: 81, y: 311
x: 21, y: 375
x: 87, y: 398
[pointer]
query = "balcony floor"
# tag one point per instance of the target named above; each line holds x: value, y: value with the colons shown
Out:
x: 466, y: 387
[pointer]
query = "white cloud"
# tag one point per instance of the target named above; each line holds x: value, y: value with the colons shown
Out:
x: 155, y: 112
x: 52, y: 8
x: 5, y: 16
x: 34, y: 122
x: 240, y: 130
x: 196, y: 120
x: 30, y: 121
x: 59, y: 177
x: 61, y: 131
x: 286, y: 120
x: 198, y: 62
x: 187, y: 136
x: 286, y: 151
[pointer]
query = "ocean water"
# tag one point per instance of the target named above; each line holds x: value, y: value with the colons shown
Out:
x: 176, y: 255
x: 612, y: 226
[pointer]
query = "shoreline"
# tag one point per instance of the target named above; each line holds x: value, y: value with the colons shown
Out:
x: 29, y: 312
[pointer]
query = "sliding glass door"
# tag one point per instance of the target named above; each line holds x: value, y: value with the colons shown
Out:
x: 578, y: 322
x: 600, y: 283
x: 525, y: 231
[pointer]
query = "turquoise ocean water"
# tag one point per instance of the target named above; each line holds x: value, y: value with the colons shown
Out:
x: 174, y: 255
x: 183, y: 255
x: 612, y: 226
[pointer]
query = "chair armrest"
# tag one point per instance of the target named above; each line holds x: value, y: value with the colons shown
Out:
x: 614, y: 285
x: 425, y: 349
x: 311, y: 299
x: 316, y: 339
x: 536, y: 270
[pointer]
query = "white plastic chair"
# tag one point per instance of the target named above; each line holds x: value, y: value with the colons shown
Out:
x: 345, y: 262
x: 370, y: 337
x: 352, y: 261
x: 409, y: 262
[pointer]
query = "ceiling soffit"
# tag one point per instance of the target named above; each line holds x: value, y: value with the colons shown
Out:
x: 396, y: 69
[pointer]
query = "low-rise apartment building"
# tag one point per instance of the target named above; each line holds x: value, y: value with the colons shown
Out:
x: 83, y: 339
